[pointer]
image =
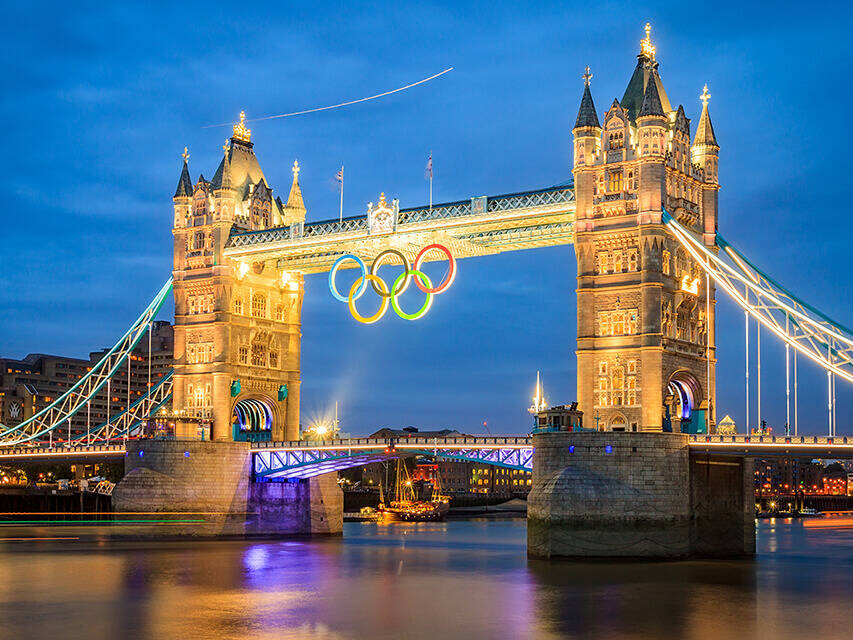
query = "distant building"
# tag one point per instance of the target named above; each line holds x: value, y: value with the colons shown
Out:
x: 560, y: 418
x: 456, y: 476
x: 29, y: 385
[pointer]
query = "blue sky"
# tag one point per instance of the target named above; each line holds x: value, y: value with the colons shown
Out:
x: 100, y: 100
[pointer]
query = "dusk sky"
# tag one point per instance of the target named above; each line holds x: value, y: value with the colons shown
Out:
x: 100, y: 100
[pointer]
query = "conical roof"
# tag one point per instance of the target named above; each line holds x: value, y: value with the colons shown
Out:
x: 185, y: 184
x: 587, y: 116
x: 295, y: 207
x: 705, y: 130
x: 651, y: 101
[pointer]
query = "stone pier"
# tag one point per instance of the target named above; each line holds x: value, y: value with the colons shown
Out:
x: 642, y: 495
x: 206, y: 489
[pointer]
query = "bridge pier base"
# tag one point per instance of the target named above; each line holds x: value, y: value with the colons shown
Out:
x: 206, y: 489
x: 640, y: 495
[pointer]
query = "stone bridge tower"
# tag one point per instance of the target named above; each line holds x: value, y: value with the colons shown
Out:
x: 237, y: 324
x: 645, y: 351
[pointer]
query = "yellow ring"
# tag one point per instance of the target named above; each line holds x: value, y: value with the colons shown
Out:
x: 383, y: 307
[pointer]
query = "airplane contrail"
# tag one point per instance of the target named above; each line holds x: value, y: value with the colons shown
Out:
x: 336, y: 106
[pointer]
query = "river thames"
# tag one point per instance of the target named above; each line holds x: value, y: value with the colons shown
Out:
x: 459, y: 579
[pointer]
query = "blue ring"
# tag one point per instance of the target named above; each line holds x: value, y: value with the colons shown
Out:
x: 334, y: 270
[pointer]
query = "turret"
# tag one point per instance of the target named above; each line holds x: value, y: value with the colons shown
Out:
x: 652, y: 124
x: 294, y: 211
x: 183, y: 193
x: 587, y: 143
x: 705, y: 153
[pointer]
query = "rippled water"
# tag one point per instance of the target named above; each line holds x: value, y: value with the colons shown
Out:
x: 460, y: 579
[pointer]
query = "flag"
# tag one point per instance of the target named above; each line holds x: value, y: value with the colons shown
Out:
x: 429, y: 168
x: 340, y: 175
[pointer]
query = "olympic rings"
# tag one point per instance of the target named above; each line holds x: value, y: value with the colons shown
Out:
x: 401, y: 283
x: 451, y: 269
x: 419, y: 275
x: 374, y: 269
x: 334, y: 271
x: 382, y: 308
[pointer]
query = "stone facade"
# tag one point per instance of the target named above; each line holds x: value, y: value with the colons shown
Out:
x: 211, y: 483
x: 237, y: 324
x: 636, y: 495
x: 645, y: 312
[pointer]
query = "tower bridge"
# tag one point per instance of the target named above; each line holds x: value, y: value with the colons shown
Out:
x: 641, y: 209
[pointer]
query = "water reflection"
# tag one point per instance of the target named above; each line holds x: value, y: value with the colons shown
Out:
x: 462, y: 579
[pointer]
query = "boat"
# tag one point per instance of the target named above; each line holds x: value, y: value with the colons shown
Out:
x: 407, y: 508
x: 808, y: 512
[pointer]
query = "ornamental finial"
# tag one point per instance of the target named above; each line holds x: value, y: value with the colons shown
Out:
x: 587, y: 76
x: 646, y: 47
x: 240, y: 131
x: 186, y: 155
x: 705, y: 96
x: 296, y: 169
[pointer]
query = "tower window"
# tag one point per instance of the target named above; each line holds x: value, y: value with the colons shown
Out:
x: 259, y: 305
x: 243, y: 355
x: 614, y: 181
x: 259, y: 354
x: 279, y: 312
x: 238, y: 306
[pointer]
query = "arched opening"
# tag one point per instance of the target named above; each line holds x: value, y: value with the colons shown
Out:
x: 618, y: 423
x: 251, y: 420
x: 682, y: 413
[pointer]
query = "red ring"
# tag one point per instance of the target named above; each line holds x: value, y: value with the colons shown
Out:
x: 451, y: 272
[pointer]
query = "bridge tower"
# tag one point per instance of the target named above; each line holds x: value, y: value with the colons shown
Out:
x: 645, y: 350
x: 237, y: 323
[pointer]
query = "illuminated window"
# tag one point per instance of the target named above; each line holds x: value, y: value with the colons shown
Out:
x: 665, y: 262
x: 632, y: 391
x: 279, y: 312
x: 618, y: 326
x: 614, y: 181
x: 632, y: 366
x: 259, y: 354
x: 632, y: 259
x: 273, y: 359
x: 243, y: 355
x: 604, y: 327
x: 602, y: 368
x: 632, y: 322
x: 259, y: 305
x: 617, y: 262
x: 603, y: 261
x: 238, y: 305
x: 192, y: 304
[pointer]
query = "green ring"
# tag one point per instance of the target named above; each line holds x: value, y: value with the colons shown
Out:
x: 427, y: 303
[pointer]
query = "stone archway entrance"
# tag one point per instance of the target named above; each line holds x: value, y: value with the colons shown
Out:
x: 682, y: 413
x: 252, y: 420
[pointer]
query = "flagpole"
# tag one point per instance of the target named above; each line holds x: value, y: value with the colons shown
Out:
x: 341, y: 220
x: 430, y: 180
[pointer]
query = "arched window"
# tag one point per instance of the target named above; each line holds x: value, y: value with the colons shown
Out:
x: 191, y: 305
x: 273, y: 358
x: 617, y: 261
x: 238, y: 305
x: 259, y: 305
x: 617, y: 385
x: 279, y: 312
x: 632, y: 260
x: 190, y: 396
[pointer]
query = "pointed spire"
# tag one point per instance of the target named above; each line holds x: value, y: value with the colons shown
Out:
x: 705, y: 130
x: 587, y: 117
x: 682, y: 123
x: 651, y: 101
x: 185, y: 184
x: 295, y: 207
x: 225, y: 180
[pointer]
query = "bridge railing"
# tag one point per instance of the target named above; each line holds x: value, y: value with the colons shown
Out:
x: 60, y: 450
x: 767, y: 439
x: 414, y: 442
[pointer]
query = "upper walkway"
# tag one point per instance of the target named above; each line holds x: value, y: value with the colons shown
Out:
x: 479, y: 226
